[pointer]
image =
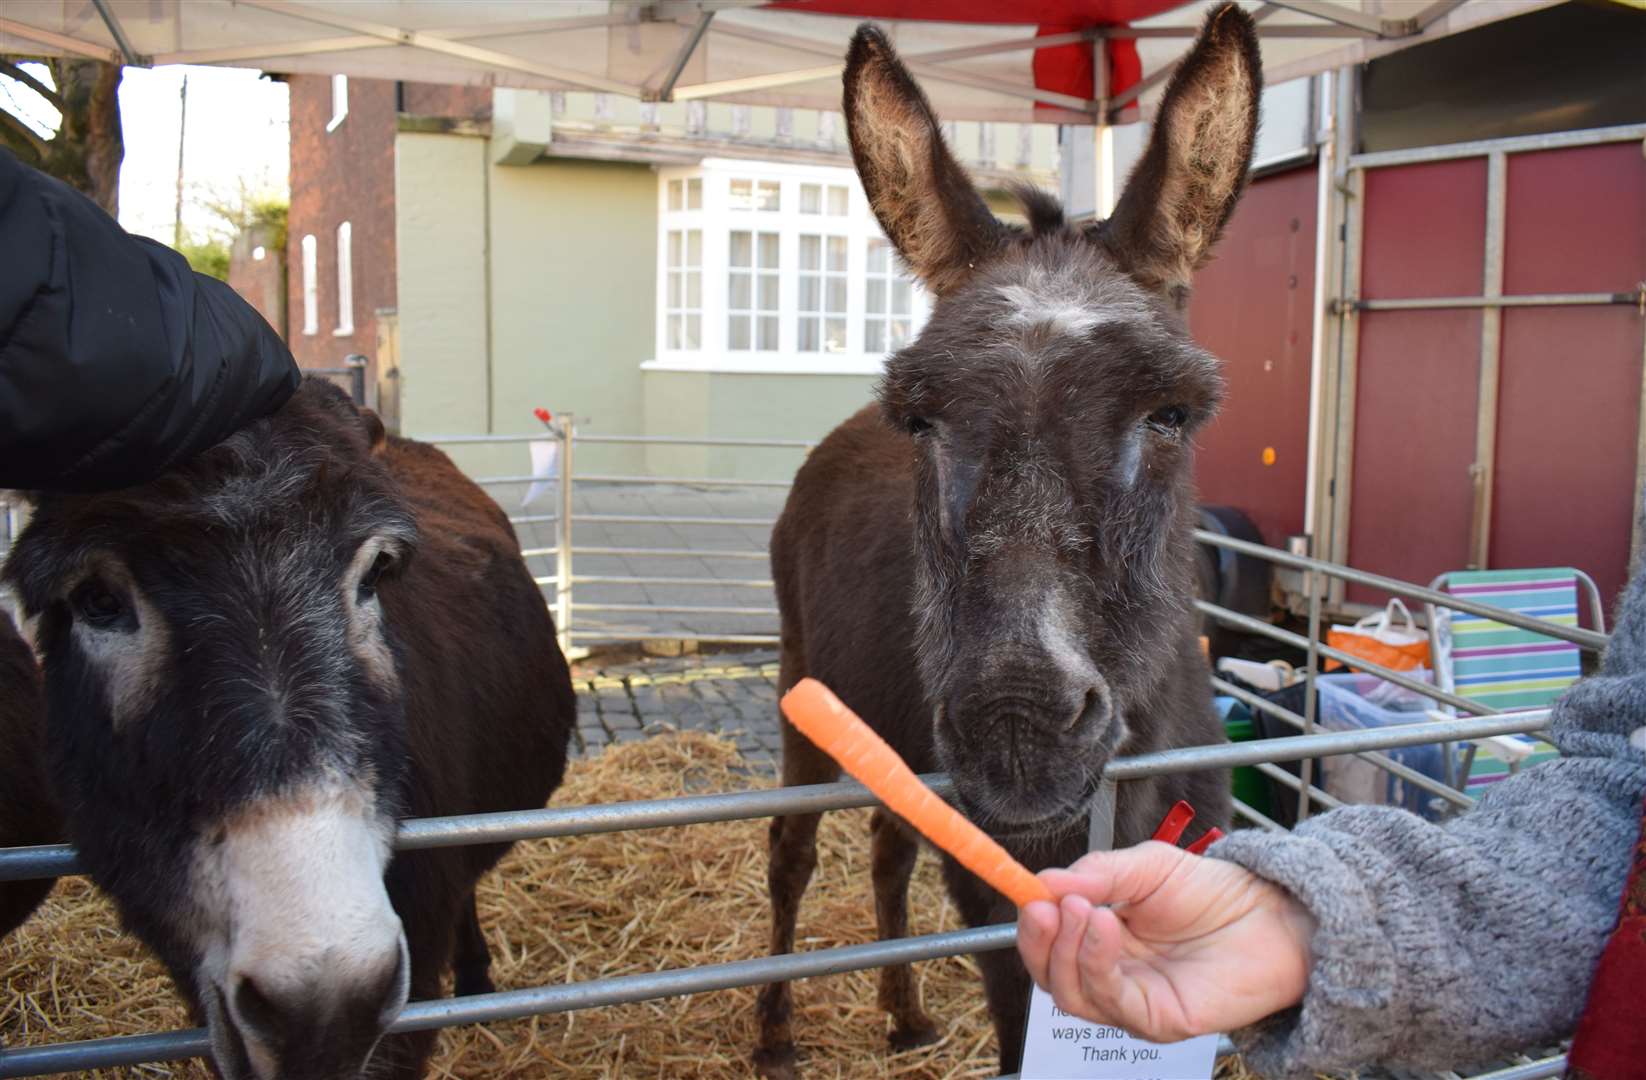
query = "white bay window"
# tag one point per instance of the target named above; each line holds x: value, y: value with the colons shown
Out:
x: 766, y: 267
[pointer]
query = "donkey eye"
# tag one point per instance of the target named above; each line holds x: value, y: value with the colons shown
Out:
x: 100, y: 606
x: 369, y: 580
x: 918, y: 426
x: 1169, y: 420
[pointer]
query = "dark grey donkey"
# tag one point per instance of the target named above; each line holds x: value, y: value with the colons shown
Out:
x: 995, y: 565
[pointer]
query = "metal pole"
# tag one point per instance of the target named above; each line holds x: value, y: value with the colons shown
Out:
x: 1305, y: 768
x: 563, y: 529
x: 355, y: 364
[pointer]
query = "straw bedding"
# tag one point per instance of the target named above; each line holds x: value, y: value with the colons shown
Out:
x: 577, y: 909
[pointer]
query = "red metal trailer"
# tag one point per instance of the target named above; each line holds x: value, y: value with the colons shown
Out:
x: 1455, y: 377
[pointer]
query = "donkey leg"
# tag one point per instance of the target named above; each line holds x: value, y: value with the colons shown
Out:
x: 893, y: 857
x: 1006, y: 982
x: 793, y: 857
x: 472, y: 960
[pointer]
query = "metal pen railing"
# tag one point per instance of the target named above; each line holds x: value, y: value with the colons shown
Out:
x: 56, y: 860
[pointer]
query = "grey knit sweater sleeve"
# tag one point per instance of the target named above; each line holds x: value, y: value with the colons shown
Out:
x: 1441, y: 946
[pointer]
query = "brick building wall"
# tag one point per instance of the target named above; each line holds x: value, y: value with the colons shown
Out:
x: 342, y: 175
x: 258, y: 273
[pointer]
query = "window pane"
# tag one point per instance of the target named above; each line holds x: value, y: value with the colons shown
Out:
x: 837, y: 253
x: 674, y: 331
x: 839, y: 201
x: 874, y: 336
x: 874, y: 300
x: 694, y: 288
x: 694, y: 247
x: 834, y: 335
x: 768, y: 292
x: 809, y: 292
x: 767, y: 196
x: 808, y: 334
x: 739, y: 298
x: 768, y: 251
x: 694, y: 331
x: 900, y: 296
x: 768, y: 333
x: 694, y: 194
x: 742, y: 249
x: 674, y: 195
x: 877, y: 256
x: 742, y: 194
x: 837, y: 294
x: 811, y: 199
x: 674, y: 249
x: 811, y: 252
x: 737, y: 332
x: 674, y: 288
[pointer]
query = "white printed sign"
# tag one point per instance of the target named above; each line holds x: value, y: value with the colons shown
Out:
x: 545, y: 455
x: 1064, y: 1047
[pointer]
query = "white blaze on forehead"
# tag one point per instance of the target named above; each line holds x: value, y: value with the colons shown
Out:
x: 1066, y: 313
x: 293, y: 889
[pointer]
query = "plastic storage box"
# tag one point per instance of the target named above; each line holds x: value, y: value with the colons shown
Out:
x: 1352, y: 701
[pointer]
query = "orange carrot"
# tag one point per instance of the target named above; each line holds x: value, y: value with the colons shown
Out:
x: 840, y: 733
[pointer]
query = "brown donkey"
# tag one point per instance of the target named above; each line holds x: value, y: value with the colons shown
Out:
x: 995, y: 566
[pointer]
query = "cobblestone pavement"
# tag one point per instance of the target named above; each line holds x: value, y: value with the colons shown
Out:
x: 727, y: 693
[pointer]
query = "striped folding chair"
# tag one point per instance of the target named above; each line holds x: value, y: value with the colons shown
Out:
x: 1503, y: 666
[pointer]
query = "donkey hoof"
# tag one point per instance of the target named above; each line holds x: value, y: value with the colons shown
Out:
x: 910, y: 1036
x: 776, y: 1062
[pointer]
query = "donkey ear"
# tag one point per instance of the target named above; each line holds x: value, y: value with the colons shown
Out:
x: 376, y: 435
x: 1187, y: 183
x: 925, y: 201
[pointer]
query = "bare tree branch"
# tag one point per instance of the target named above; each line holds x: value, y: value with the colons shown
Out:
x: 22, y: 76
x: 16, y: 132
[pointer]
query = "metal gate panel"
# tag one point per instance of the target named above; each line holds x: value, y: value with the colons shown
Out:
x: 1417, y: 382
x: 1253, y: 307
x: 1576, y: 220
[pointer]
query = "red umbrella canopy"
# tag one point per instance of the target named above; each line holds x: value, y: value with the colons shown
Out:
x: 1063, y: 69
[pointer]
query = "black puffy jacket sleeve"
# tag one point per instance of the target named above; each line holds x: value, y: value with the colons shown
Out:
x: 116, y: 360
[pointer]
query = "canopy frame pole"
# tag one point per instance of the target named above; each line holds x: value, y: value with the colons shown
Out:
x: 118, y: 32
x: 1343, y: 16
x: 665, y: 92
x: 914, y: 63
x: 416, y: 40
x: 62, y: 41
x: 1434, y: 13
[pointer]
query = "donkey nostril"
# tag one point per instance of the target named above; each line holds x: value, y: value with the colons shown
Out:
x: 254, y: 1009
x: 1094, y: 710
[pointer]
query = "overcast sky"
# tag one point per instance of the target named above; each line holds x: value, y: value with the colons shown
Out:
x: 237, y: 135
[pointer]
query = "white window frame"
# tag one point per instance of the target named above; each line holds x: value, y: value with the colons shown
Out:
x: 311, y: 285
x: 339, y: 101
x: 716, y: 220
x: 345, y: 280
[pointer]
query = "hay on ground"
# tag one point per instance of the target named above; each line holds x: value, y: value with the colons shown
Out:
x: 569, y: 910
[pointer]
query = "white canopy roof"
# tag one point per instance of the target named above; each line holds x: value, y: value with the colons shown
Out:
x: 723, y: 49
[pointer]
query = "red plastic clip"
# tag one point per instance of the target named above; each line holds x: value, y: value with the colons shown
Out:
x: 543, y: 414
x: 1212, y: 836
x: 1172, y: 825
x: 1176, y: 821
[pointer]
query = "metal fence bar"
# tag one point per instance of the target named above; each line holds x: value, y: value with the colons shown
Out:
x: 1588, y: 639
x: 609, y: 579
x: 1531, y: 1070
x: 685, y: 481
x: 537, y: 1001
x: 1382, y: 761
x: 54, y: 860
x: 1275, y: 772
x: 678, y: 609
x: 662, y: 553
x: 1298, y: 641
x: 1518, y: 144
x: 1256, y: 817
x: 534, y: 519
x: 663, y: 519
